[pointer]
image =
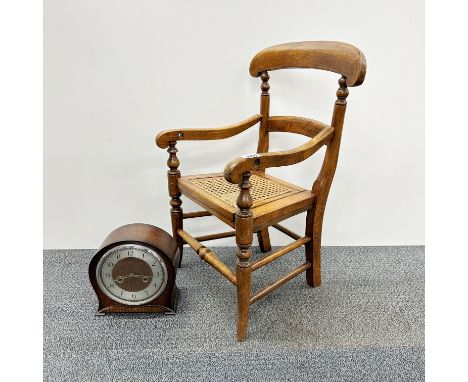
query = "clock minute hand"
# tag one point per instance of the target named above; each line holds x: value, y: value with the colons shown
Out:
x: 120, y: 279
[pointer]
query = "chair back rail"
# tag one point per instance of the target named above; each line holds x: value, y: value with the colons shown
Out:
x: 334, y: 56
x: 298, y: 125
x: 235, y: 169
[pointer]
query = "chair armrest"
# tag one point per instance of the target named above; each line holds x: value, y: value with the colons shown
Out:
x: 164, y: 137
x: 248, y: 163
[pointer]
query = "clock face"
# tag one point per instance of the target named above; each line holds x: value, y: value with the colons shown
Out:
x: 131, y: 274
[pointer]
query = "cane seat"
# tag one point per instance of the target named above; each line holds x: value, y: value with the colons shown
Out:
x: 273, y: 198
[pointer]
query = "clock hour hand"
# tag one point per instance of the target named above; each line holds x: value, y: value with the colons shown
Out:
x: 120, y: 279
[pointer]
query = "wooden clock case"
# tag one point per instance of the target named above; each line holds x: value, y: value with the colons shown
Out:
x: 159, y: 241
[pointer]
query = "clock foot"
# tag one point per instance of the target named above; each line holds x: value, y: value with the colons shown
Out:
x: 172, y: 309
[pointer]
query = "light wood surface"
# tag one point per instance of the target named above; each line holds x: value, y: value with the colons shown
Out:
x: 207, y: 255
x: 334, y: 56
x: 195, y: 214
x: 234, y: 169
x: 165, y: 137
x: 244, y: 238
x: 263, y: 146
x: 173, y: 175
x: 267, y: 259
x: 214, y: 236
x: 282, y: 280
x: 297, y: 125
x: 286, y: 231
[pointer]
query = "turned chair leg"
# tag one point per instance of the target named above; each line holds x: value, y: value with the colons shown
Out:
x: 244, y: 237
x: 243, y: 274
x: 264, y: 240
x: 313, y: 247
x: 173, y: 176
x: 177, y: 223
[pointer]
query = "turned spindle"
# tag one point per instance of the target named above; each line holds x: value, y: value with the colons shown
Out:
x: 244, y: 237
x: 263, y: 146
x: 173, y: 175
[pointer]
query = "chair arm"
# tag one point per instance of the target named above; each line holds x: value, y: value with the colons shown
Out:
x: 248, y: 163
x: 164, y: 137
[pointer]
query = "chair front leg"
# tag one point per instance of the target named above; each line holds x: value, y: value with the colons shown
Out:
x: 173, y: 176
x: 244, y: 237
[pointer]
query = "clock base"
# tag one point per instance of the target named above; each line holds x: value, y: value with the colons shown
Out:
x: 171, y: 309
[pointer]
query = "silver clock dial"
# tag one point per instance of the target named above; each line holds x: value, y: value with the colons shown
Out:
x: 131, y: 274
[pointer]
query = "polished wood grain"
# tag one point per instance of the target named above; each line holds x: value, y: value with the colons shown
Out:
x: 215, y: 236
x: 297, y: 125
x: 234, y: 169
x: 207, y: 255
x: 159, y: 241
x: 281, y: 209
x: 282, y: 280
x: 164, y: 138
x: 263, y: 140
x: 286, y: 231
x: 248, y: 216
x: 195, y: 214
x: 144, y: 233
x: 264, y: 242
x: 267, y: 259
x: 173, y: 175
x: 321, y: 187
x: 244, y: 237
x: 334, y: 56
x: 263, y: 145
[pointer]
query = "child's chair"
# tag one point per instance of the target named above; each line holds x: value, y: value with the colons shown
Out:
x: 249, y: 200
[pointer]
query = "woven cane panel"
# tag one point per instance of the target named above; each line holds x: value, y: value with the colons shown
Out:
x: 261, y: 189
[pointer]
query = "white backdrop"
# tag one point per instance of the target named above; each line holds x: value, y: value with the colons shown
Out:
x: 116, y: 72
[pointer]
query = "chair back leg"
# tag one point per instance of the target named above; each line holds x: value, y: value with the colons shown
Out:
x: 264, y: 240
x: 313, y: 247
x: 322, y: 185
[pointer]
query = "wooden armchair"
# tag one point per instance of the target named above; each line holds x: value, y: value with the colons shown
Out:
x: 249, y: 200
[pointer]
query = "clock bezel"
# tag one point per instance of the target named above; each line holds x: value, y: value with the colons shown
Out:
x: 131, y: 246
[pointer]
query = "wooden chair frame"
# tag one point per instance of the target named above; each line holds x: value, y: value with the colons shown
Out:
x: 337, y: 57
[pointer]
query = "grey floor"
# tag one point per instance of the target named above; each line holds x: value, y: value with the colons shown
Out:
x: 365, y: 323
